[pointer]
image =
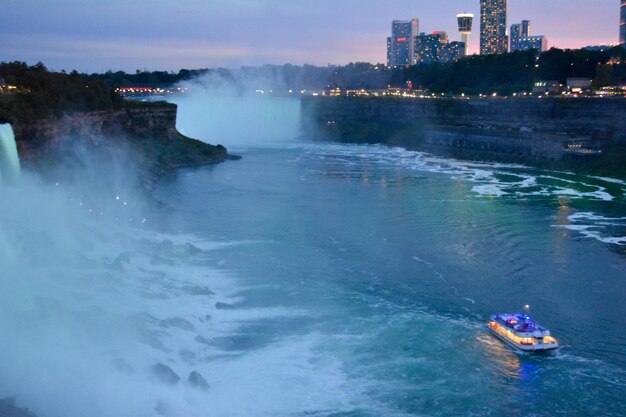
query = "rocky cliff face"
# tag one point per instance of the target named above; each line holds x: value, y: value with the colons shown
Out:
x: 548, y: 116
x: 43, y: 136
x: 147, y: 129
x: 522, y: 130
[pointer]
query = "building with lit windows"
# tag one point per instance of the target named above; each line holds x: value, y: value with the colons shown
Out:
x: 517, y: 33
x: 622, y: 24
x: 436, y: 47
x: 452, y: 52
x: 401, y: 44
x: 493, y: 39
x: 428, y: 47
x: 521, y: 39
x: 540, y: 43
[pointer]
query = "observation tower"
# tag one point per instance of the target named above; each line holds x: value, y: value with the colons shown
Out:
x: 465, y: 27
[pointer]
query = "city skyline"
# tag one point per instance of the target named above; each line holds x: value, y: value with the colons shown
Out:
x: 95, y: 36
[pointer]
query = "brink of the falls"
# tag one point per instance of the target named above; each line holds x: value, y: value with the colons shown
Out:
x: 9, y: 159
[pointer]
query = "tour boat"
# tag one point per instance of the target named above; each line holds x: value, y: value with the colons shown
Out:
x: 521, y: 332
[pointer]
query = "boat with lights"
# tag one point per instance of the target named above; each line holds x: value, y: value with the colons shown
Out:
x: 522, y: 332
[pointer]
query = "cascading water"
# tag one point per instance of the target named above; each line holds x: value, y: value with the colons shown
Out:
x: 9, y: 159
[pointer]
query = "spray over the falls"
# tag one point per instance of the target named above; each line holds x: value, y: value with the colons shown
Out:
x: 239, y: 112
x: 91, y: 296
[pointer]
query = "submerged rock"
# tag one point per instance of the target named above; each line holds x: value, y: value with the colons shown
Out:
x: 164, y: 374
x: 187, y: 355
x: 224, y: 306
x: 163, y: 409
x: 8, y: 409
x: 122, y: 366
x: 179, y: 323
x: 118, y: 263
x: 197, y: 290
x: 196, y: 380
x: 151, y: 339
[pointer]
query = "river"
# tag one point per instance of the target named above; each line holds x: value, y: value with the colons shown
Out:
x: 323, y: 279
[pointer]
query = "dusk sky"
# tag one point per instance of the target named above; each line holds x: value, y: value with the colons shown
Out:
x: 98, y: 35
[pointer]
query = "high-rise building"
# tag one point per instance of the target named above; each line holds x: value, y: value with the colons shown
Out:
x: 521, y: 39
x: 465, y: 27
x: 517, y: 33
x: 493, y: 39
x: 436, y: 47
x: 401, y: 45
x: 427, y: 47
x: 622, y: 24
x: 452, y: 51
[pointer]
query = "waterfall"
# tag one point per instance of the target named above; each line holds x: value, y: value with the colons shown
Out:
x: 9, y: 160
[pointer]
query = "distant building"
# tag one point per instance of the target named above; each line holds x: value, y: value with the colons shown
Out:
x: 436, y: 47
x: 332, y: 90
x: 401, y: 45
x: 465, y: 27
x: 521, y: 39
x: 578, y: 85
x: 493, y: 39
x: 427, y: 47
x: 518, y: 32
x: 601, y: 48
x: 547, y: 87
x: 452, y: 52
x: 540, y: 43
x: 622, y: 24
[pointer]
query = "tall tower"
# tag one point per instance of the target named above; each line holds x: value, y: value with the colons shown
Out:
x: 493, y: 39
x: 465, y: 27
x: 401, y: 45
x: 622, y: 24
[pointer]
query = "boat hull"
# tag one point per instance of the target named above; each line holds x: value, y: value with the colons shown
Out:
x: 524, y: 348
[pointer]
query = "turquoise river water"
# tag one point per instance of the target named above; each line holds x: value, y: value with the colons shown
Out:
x: 321, y: 279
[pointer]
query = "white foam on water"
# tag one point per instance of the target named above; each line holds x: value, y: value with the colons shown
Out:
x: 491, y: 190
x: 576, y: 228
x: 600, y: 194
x: 491, y: 180
x: 484, y: 173
x: 598, y: 236
x: 593, y: 216
x: 596, y: 227
x: 609, y: 179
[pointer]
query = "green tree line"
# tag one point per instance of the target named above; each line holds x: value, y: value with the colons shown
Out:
x: 505, y: 74
x: 43, y: 94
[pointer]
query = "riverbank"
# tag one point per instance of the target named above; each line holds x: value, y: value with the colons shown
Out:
x: 585, y: 135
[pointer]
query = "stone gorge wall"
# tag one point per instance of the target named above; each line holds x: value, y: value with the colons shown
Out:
x: 519, y: 129
x: 41, y: 137
x: 147, y: 129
